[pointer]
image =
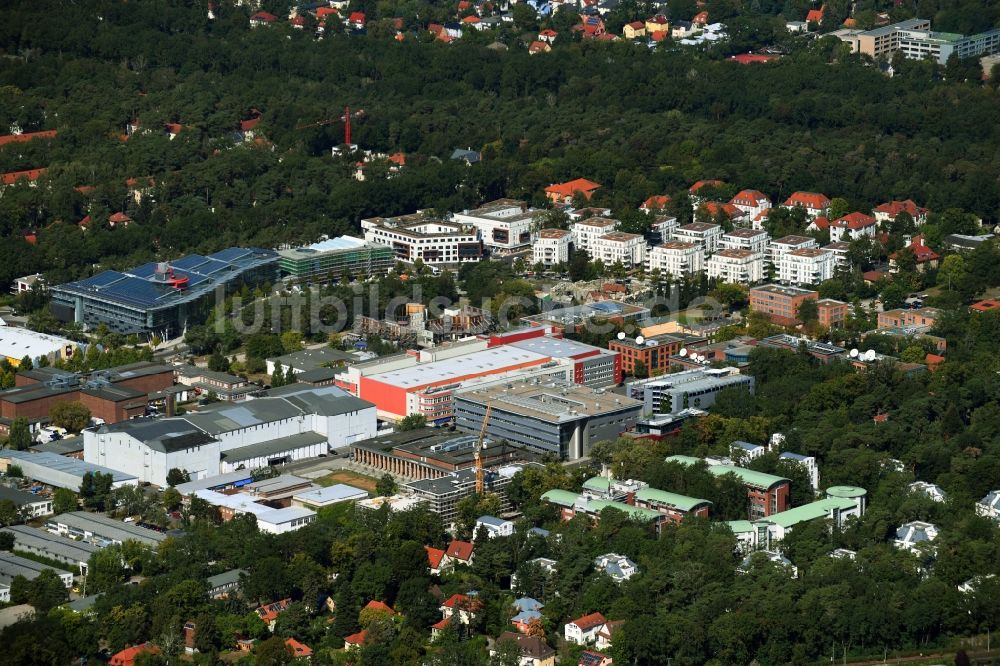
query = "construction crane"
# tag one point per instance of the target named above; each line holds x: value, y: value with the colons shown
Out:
x: 478, y: 452
x: 346, y: 119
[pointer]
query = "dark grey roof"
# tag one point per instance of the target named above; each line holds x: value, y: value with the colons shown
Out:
x: 19, y: 497
x: 318, y: 375
x: 44, y: 542
x: 221, y: 418
x: 224, y: 578
x: 164, y: 435
x: 60, y: 446
x: 311, y: 359
x: 273, y: 446
x: 83, y: 603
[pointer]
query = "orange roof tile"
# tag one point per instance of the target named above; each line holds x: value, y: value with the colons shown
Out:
x: 572, y: 187
x: 460, y: 550
x: 811, y: 200
x: 27, y: 136
x: 590, y: 621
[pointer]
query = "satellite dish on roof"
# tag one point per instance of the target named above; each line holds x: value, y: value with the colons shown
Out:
x: 683, y: 352
x: 870, y: 355
x: 639, y: 340
x: 854, y: 353
x: 621, y: 335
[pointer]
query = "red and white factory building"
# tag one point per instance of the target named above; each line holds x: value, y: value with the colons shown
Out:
x: 424, y: 381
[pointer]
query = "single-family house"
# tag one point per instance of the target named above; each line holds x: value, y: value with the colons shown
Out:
x: 658, y: 23
x: 852, y: 227
x: 534, y: 650
x: 495, y: 527
x: 262, y: 18
x: 813, y: 203
x: 583, y: 630
x: 460, y: 552
x: 128, y: 656
x: 889, y: 211
x: 931, y: 490
x: 634, y: 30
x: 923, y: 256
x: 527, y: 610
x: 564, y: 192
x: 911, y: 535
x: 989, y: 506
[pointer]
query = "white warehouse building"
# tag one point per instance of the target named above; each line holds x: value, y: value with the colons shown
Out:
x: 297, y: 424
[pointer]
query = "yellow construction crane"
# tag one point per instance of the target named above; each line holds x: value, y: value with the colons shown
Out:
x: 477, y: 452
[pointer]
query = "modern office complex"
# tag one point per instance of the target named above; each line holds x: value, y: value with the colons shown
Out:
x: 161, y: 298
x: 332, y: 259
x: 559, y: 419
x: 915, y: 39
x: 421, y: 236
x: 669, y: 394
x: 505, y: 224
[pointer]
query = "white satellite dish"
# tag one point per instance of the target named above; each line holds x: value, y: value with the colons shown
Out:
x: 621, y: 335
x: 870, y: 355
x: 683, y: 352
x: 639, y: 340
x: 854, y: 353
x: 699, y: 358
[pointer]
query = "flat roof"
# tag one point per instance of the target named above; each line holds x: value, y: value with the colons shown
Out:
x: 44, y: 542
x: 323, y: 247
x: 50, y: 461
x: 495, y: 359
x: 59, y: 446
x: 20, y: 342
x: 551, y: 402
x: 20, y: 497
x: 272, y: 446
x: 784, y: 290
x: 745, y: 232
x: 109, y: 528
x: 339, y: 492
x: 218, y: 481
x: 557, y: 348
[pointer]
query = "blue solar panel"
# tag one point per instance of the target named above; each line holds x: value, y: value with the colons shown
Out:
x: 144, y: 271
x: 607, y: 307
x: 230, y: 254
x: 101, y: 279
x: 189, y: 262
x: 136, y: 291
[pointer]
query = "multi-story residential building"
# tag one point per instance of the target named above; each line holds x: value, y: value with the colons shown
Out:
x: 703, y: 234
x: 780, y: 302
x: 420, y: 236
x: 751, y: 202
x: 888, y: 212
x: 564, y: 192
x: 442, y: 495
x: 504, y: 225
x: 695, y: 191
x: 585, y: 232
x: 839, y: 251
x: 831, y: 313
x: 677, y: 258
x: 551, y: 247
x: 662, y: 228
x: 779, y: 246
x: 655, y: 203
x: 808, y: 266
x: 618, y: 246
x: 852, y: 227
x: 901, y: 318
x: 334, y: 258
x: 755, y: 240
x: 813, y: 203
x: 737, y: 266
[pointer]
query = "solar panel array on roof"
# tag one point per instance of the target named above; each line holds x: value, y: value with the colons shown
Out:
x: 232, y: 254
x: 101, y: 279
x: 607, y: 306
x: 136, y: 291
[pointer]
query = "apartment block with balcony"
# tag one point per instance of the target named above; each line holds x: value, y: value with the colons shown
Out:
x: 551, y: 247
x: 755, y: 240
x: 585, y: 232
x: 703, y: 234
x: 737, y: 266
x: 780, y: 246
x: 618, y: 246
x: 677, y: 258
x: 808, y: 266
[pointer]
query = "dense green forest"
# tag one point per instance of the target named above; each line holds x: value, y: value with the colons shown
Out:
x: 639, y: 121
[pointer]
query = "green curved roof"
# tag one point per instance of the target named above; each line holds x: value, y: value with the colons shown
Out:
x: 748, y: 476
x: 812, y: 511
x: 634, y: 512
x: 598, y: 484
x: 846, y: 491
x: 560, y: 497
x: 673, y: 500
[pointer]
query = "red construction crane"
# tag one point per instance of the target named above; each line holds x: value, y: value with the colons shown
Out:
x: 346, y: 119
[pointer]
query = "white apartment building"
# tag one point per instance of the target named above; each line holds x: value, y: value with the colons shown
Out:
x: 737, y: 266
x: 751, y: 202
x: 663, y: 228
x: 755, y: 240
x: 813, y: 203
x: 585, y: 232
x: 703, y: 234
x: 419, y: 236
x: 807, y: 266
x: 852, y: 227
x: 630, y: 249
x: 677, y: 258
x: 785, y: 244
x: 839, y: 251
x: 551, y: 247
x: 504, y: 224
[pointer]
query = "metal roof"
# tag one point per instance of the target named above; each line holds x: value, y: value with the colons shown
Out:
x: 812, y: 511
x: 336, y: 493
x: 681, y: 502
x: 44, y: 542
x: 270, y: 447
x: 486, y: 361
x: 38, y: 463
x: 109, y: 528
x: 748, y: 476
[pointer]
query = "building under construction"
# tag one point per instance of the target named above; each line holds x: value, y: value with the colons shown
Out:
x: 415, y: 328
x: 432, y: 454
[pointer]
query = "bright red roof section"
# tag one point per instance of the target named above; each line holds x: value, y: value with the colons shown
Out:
x: 27, y: 136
